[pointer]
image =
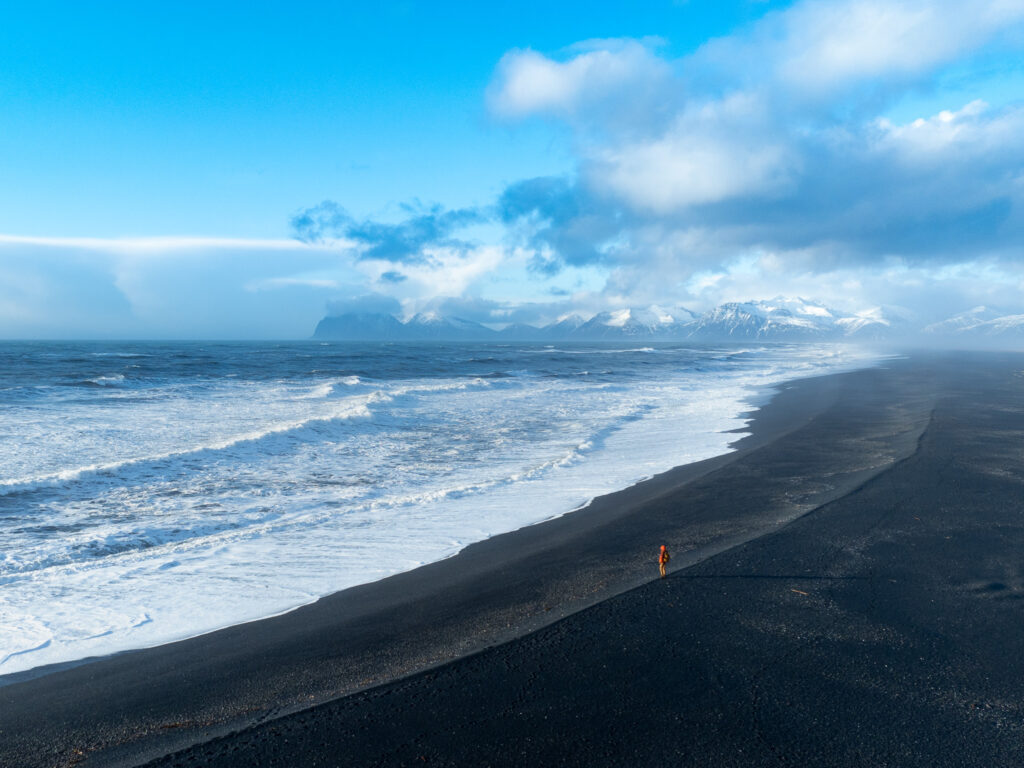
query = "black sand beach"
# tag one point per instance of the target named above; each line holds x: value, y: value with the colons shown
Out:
x: 846, y: 590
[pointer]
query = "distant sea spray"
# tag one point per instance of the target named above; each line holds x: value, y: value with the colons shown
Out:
x: 150, y: 492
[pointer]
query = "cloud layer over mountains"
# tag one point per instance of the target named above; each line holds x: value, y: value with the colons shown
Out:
x: 760, y: 162
x: 864, y: 152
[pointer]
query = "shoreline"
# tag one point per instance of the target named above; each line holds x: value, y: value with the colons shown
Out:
x: 879, y: 628
x: 760, y: 398
x: 321, y: 545
x: 493, y: 591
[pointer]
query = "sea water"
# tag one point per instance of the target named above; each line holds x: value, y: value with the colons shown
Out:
x: 155, y: 491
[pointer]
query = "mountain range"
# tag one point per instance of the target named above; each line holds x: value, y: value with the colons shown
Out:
x: 980, y: 324
x: 781, y: 319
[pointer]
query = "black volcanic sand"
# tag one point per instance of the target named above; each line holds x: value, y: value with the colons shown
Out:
x: 845, y: 591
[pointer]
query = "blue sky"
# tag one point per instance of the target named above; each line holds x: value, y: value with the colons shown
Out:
x: 223, y: 170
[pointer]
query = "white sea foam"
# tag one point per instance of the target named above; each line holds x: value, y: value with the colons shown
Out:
x: 108, y: 381
x: 348, y: 410
x: 214, y: 502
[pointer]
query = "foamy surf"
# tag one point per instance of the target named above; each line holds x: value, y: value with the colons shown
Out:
x: 241, y: 481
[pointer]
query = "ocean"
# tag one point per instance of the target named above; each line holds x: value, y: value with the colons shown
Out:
x: 155, y: 491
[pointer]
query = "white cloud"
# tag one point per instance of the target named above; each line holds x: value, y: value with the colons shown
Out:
x: 695, y: 162
x: 756, y: 166
x: 811, y: 50
x: 164, y: 287
x: 444, y: 272
x: 769, y: 142
x: 528, y: 83
x: 150, y: 245
x: 829, y: 44
x: 971, y: 132
x: 815, y: 48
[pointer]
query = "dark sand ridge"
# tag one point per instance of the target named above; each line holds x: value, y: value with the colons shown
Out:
x: 817, y: 441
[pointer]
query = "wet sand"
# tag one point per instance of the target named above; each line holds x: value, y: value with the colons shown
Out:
x: 845, y: 591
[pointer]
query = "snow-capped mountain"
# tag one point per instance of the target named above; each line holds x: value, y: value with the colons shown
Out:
x: 1011, y: 325
x: 877, y: 323
x: 383, y: 327
x: 759, y: 320
x: 797, y: 307
x: 781, y: 319
x: 965, y: 321
x: 431, y: 325
x: 650, y: 323
x: 786, y: 319
x: 563, y: 327
x: 980, y: 325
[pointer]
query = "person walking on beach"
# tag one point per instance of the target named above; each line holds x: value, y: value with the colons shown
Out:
x: 663, y: 558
